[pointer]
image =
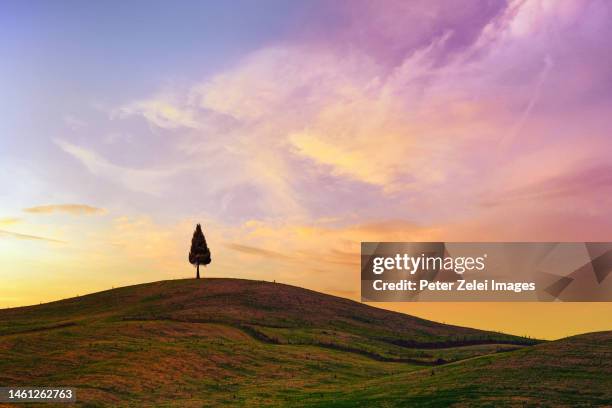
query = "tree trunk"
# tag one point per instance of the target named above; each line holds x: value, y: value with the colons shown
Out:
x: 198, y: 271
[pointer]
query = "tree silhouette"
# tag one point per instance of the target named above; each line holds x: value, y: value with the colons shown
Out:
x: 199, y: 253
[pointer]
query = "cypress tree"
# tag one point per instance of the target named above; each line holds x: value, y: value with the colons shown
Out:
x: 199, y: 253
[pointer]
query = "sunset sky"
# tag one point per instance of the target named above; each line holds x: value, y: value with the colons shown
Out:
x: 294, y: 130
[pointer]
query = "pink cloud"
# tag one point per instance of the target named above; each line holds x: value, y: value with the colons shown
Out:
x: 417, y: 112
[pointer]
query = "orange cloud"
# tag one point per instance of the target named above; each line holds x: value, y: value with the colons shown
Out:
x: 256, y: 251
x: 28, y: 237
x: 73, y: 209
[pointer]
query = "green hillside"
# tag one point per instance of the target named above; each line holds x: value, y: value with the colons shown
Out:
x: 240, y: 342
x: 572, y: 372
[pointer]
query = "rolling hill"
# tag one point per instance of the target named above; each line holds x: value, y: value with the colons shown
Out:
x: 241, y: 342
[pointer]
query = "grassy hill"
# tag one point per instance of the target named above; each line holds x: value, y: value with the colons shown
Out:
x: 240, y: 342
x: 572, y: 372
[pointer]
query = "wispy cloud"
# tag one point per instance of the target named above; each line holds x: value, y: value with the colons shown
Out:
x: 307, y: 129
x: 507, y: 139
x: 151, y: 181
x: 165, y: 110
x: 251, y: 250
x: 9, y: 220
x: 592, y: 182
x: 73, y: 209
x: 18, y: 235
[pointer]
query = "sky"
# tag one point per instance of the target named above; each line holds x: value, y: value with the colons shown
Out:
x: 295, y: 130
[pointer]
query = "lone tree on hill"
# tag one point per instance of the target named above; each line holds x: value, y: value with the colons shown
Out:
x: 199, y: 253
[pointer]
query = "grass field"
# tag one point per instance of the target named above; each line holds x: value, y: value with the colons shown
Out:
x: 189, y: 343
